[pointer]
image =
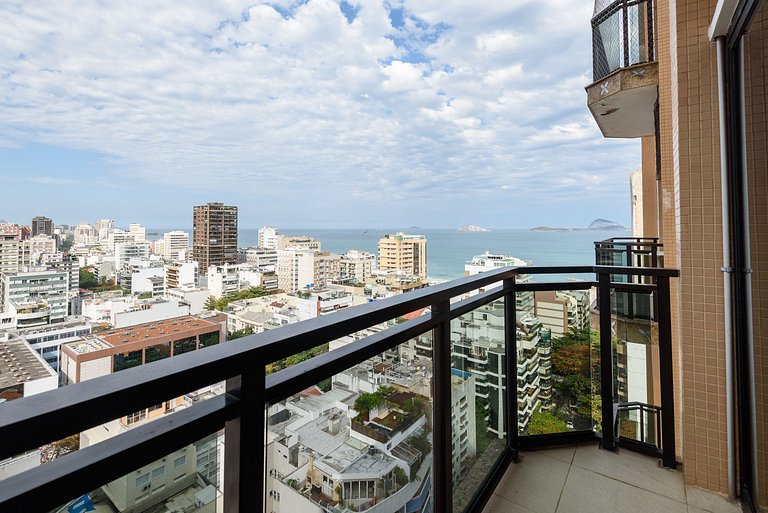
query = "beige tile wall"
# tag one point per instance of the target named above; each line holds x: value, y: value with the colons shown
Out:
x: 689, y: 200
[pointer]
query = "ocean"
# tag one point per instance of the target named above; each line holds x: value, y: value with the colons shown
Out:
x: 448, y: 250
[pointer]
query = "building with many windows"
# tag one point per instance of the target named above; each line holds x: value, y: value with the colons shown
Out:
x: 403, y: 252
x: 10, y: 238
x: 214, y: 234
x: 41, y: 286
x: 42, y: 225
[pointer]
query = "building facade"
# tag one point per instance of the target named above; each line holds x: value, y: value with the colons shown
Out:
x: 42, y: 225
x: 403, y: 252
x: 214, y: 234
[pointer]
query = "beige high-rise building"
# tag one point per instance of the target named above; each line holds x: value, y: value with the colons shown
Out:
x: 695, y: 93
x: 10, y: 239
x: 403, y: 252
x: 214, y: 235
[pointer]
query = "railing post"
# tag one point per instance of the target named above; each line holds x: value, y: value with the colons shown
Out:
x: 510, y: 342
x: 244, y: 449
x: 649, y: 10
x: 606, y: 360
x: 442, y: 450
x: 625, y: 14
x: 666, y: 380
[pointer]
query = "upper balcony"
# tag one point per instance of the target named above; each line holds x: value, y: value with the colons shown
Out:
x: 624, y: 91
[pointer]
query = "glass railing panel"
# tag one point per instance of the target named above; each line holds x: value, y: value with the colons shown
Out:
x: 359, y: 441
x: 478, y: 398
x: 187, y: 479
x: 557, y: 362
x: 636, y: 371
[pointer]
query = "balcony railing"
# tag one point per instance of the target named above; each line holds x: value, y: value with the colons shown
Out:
x: 29, y: 423
x: 622, y: 35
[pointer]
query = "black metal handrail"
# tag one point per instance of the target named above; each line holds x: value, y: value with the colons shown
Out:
x: 642, y: 409
x: 622, y: 35
x: 28, y: 423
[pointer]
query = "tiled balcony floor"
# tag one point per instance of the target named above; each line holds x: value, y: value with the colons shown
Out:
x: 586, y: 479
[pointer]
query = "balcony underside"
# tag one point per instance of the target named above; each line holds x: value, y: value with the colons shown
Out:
x: 623, y: 102
x: 581, y: 478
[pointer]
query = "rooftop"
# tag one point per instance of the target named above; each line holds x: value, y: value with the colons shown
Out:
x: 156, y: 329
x: 20, y: 363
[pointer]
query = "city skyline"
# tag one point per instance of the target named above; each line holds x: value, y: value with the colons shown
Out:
x: 425, y: 112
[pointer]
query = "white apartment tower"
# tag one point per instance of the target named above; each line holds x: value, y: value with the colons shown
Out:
x: 139, y: 232
x: 267, y: 237
x: 173, y: 243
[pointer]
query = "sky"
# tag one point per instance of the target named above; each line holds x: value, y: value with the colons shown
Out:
x: 312, y: 113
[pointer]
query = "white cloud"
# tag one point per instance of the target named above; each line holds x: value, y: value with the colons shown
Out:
x: 463, y: 99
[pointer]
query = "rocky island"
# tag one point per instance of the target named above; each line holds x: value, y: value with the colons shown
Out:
x: 596, y: 225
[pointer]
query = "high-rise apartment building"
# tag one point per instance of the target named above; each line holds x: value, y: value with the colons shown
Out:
x: 139, y: 232
x: 10, y: 239
x: 403, y: 252
x: 32, y: 250
x: 42, y: 225
x: 214, y: 234
x: 267, y: 237
x: 174, y: 242
x: 41, y: 286
x: 301, y: 268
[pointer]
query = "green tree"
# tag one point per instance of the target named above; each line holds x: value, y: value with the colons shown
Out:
x: 88, y: 280
x: 240, y: 333
x: 400, y: 476
x: 66, y: 244
x: 221, y: 304
x: 543, y: 422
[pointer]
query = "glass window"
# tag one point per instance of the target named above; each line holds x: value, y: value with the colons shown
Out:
x: 136, y: 417
x: 126, y: 360
x: 184, y: 346
x: 157, y: 352
x: 158, y: 472
x: 142, y: 480
x: 209, y: 339
x: 180, y: 461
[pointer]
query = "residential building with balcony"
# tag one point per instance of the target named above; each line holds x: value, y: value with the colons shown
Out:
x: 42, y: 225
x: 214, y: 234
x: 180, y: 274
x: 32, y: 251
x: 10, y: 239
x: 194, y: 297
x: 562, y: 311
x: 261, y: 257
x: 40, y: 286
x: 175, y: 243
x: 403, y: 252
x: 356, y: 266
